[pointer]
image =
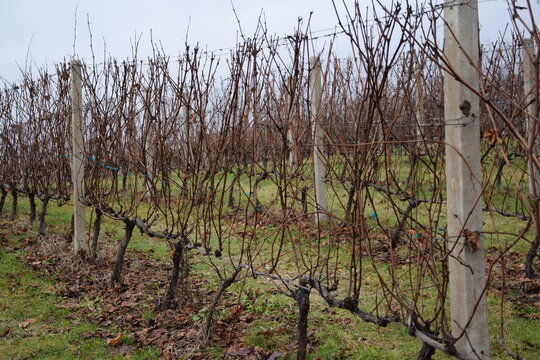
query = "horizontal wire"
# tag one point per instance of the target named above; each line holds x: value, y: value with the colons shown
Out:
x: 224, y: 51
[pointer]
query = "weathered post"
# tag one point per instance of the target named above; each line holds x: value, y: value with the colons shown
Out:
x: 420, y: 109
x: 463, y: 181
x: 184, y: 115
x: 419, y: 147
x: 291, y: 125
x: 149, y: 146
x: 530, y: 87
x: 319, y: 152
x: 77, y: 165
x: 529, y: 83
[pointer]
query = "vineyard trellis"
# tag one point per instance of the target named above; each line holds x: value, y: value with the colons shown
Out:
x: 375, y: 148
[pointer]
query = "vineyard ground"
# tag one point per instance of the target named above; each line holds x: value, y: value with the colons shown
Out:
x: 53, y: 308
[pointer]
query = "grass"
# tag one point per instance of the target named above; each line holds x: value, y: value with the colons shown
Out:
x: 338, y: 335
x: 53, y: 332
x: 335, y: 334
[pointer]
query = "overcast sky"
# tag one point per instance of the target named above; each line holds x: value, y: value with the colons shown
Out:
x: 44, y: 29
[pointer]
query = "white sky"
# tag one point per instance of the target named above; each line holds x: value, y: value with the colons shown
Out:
x: 44, y: 29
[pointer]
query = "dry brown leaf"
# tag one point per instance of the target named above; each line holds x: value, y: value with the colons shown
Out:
x: 129, y: 303
x: 123, y: 350
x: 27, y: 322
x: 472, y: 240
x: 240, y: 352
x: 531, y: 316
x: 490, y: 135
x: 6, y: 332
x: 116, y: 341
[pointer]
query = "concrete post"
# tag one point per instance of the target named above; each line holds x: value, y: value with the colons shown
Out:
x: 184, y: 115
x: 529, y: 83
x: 463, y: 182
x: 291, y: 125
x: 149, y: 146
x: 77, y: 164
x: 319, y: 152
x: 420, y: 109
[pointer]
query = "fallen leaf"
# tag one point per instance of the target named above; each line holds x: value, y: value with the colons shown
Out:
x: 240, y: 352
x: 532, y: 316
x: 472, y: 240
x: 5, y: 332
x: 115, y: 341
x: 25, y: 323
x: 275, y: 355
x: 490, y: 135
x: 411, y: 231
x: 129, y: 303
x: 123, y: 350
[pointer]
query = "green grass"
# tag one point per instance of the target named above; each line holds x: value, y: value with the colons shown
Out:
x: 335, y: 334
x: 342, y: 336
x: 339, y: 335
x: 56, y: 333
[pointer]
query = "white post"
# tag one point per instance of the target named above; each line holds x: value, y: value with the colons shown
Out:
x: 77, y: 165
x: 529, y: 83
x: 319, y: 152
x: 463, y: 182
x: 420, y: 110
x: 291, y: 125
x: 187, y: 129
x: 149, y: 146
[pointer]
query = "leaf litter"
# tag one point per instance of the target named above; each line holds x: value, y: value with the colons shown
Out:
x: 130, y: 307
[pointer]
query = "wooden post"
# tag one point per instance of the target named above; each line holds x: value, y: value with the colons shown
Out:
x: 319, y: 152
x: 291, y: 125
x: 77, y: 164
x: 529, y: 83
x: 463, y: 182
